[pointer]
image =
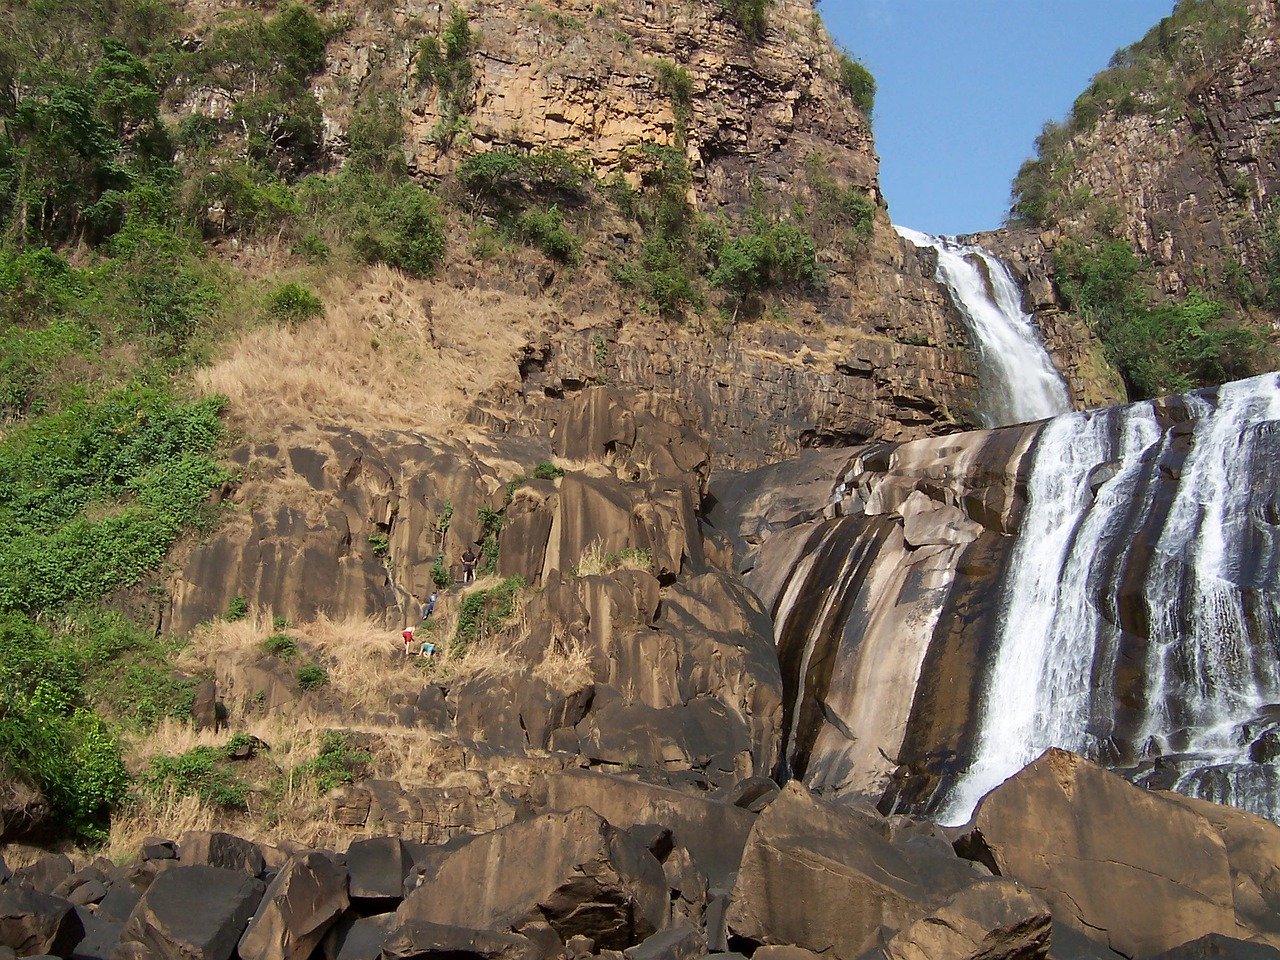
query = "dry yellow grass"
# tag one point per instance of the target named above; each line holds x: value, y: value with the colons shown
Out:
x: 389, y: 351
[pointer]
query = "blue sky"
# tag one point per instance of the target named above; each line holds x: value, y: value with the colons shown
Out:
x: 966, y: 85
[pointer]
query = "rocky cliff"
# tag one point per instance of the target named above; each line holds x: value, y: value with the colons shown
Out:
x: 872, y: 349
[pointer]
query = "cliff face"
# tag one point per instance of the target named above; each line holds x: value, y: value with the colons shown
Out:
x: 872, y: 350
x: 1189, y: 186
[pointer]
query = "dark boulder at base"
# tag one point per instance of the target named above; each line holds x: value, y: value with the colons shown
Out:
x: 1124, y: 865
x: 358, y: 939
x: 1217, y: 947
x: 377, y: 868
x: 828, y: 878
x: 572, y: 872
x: 222, y: 850
x: 302, y: 902
x: 992, y: 920
x: 420, y: 940
x: 191, y: 913
x: 32, y: 922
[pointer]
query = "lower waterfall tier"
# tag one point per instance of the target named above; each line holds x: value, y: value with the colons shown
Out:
x: 1107, y: 582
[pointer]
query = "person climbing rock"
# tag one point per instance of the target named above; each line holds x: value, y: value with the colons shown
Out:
x: 408, y: 639
x: 428, y: 649
x: 429, y: 607
x: 468, y: 566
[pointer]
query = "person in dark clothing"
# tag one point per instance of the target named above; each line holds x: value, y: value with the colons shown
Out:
x: 429, y: 607
x: 469, y: 565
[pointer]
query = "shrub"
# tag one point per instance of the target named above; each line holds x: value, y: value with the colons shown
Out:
x: 547, y: 471
x: 379, y: 544
x: 546, y: 230
x: 293, y: 303
x: 280, y: 645
x: 1160, y: 348
x: 771, y: 253
x: 483, y: 612
x: 336, y: 763
x: 47, y: 736
x: 141, y: 459
x: 129, y: 670
x: 749, y: 15
x: 312, y: 676
x: 444, y: 62
x: 201, y: 772
x: 237, y: 609
x: 440, y: 573
x: 857, y: 83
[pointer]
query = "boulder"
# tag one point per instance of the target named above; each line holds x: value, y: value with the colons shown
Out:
x: 1131, y: 868
x: 191, y: 913
x: 101, y: 935
x: 1253, y: 852
x: 299, y: 906
x: 990, y: 920
x: 573, y: 870
x: 32, y: 922
x: 1215, y: 946
x: 1067, y: 943
x: 158, y: 848
x: 221, y: 850
x: 420, y: 940
x: 674, y: 943
x: 714, y: 832
x: 358, y: 939
x: 46, y: 873
x: 377, y: 868
x: 841, y: 865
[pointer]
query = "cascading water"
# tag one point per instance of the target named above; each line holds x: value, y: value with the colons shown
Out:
x: 1197, y: 566
x: 1020, y: 382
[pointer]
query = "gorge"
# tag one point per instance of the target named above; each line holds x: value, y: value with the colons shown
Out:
x: 842, y: 591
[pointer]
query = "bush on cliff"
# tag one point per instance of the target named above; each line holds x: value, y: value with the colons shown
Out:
x: 1159, y: 348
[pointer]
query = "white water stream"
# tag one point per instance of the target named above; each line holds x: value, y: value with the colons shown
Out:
x: 1018, y: 380
x: 1210, y: 590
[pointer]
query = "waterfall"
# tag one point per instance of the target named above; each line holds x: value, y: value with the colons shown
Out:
x: 1150, y: 537
x: 1018, y: 381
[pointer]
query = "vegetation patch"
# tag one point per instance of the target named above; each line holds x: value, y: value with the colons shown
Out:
x: 485, y: 612
x: 336, y: 763
x: 203, y: 772
x: 1159, y: 347
x: 751, y: 17
x: 1154, y: 75
x: 857, y: 83
x: 444, y: 63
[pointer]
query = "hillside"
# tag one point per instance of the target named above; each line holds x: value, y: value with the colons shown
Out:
x: 1151, y: 206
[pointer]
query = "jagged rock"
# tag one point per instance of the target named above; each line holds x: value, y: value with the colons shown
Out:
x: 46, y: 873
x: 33, y: 922
x: 991, y: 920
x: 674, y: 943
x: 714, y: 832
x: 588, y: 879
x: 297, y: 909
x: 191, y: 913
x: 1215, y: 946
x: 1253, y: 853
x: 101, y: 936
x: 222, y: 850
x: 424, y: 814
x: 1127, y: 866
x: 422, y: 940
x: 206, y: 710
x: 1067, y: 943
x: 158, y: 848
x: 377, y: 868
x: 358, y: 939
x: 843, y: 867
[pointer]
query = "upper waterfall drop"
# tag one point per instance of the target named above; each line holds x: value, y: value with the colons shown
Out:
x: 1021, y: 382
